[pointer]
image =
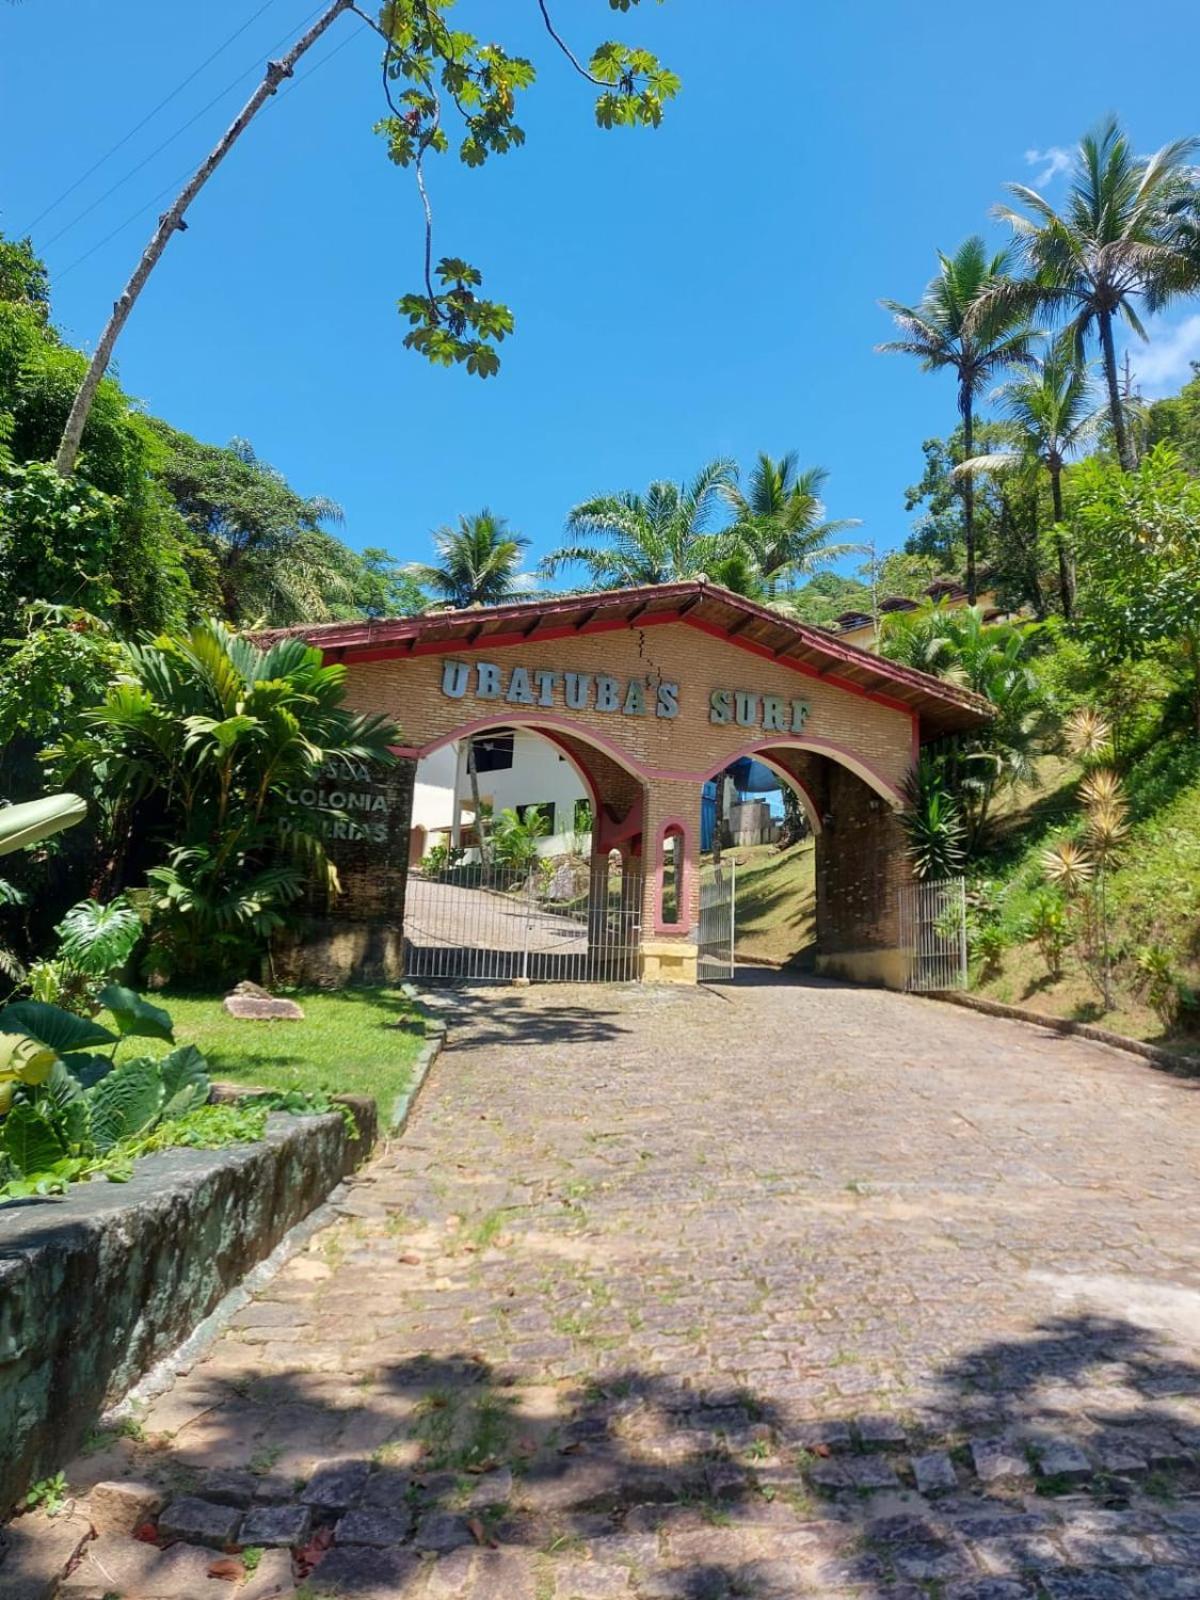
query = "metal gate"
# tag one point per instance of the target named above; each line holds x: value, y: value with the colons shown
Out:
x: 933, y: 929
x: 715, y: 962
x: 571, y: 923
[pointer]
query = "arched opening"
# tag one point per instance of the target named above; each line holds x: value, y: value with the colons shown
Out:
x: 533, y: 868
x: 800, y: 853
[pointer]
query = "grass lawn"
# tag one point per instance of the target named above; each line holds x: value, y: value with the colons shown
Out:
x: 776, y: 902
x: 352, y: 1041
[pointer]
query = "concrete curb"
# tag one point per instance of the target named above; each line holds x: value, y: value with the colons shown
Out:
x: 435, y: 1039
x: 1172, y: 1061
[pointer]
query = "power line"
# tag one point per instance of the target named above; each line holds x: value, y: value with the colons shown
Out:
x: 171, y: 137
x: 150, y: 115
x: 173, y: 186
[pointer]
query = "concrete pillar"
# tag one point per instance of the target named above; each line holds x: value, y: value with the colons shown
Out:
x: 669, y: 948
x: 357, y: 935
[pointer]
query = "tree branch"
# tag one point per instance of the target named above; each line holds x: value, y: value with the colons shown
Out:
x: 566, y: 49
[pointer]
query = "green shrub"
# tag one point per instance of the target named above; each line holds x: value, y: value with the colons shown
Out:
x: 1160, y: 983
x: 1050, y: 929
x: 68, y: 1107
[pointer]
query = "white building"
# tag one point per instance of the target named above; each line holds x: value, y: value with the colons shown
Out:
x: 516, y: 769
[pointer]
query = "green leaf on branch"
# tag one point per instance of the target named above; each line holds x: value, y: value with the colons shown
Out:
x: 185, y: 1081
x: 136, y: 1017
x: 29, y: 1141
x: 125, y: 1102
x: 58, y: 1030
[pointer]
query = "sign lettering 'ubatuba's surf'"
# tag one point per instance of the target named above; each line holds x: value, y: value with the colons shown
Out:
x: 632, y: 697
x: 578, y: 691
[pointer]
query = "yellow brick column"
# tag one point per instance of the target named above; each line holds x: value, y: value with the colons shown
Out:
x: 669, y: 948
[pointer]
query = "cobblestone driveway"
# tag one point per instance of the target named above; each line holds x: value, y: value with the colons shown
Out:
x: 762, y: 1291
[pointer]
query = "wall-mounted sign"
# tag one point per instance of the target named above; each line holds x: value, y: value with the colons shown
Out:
x: 770, y: 712
x: 627, y: 697
x: 577, y: 691
x: 352, y: 804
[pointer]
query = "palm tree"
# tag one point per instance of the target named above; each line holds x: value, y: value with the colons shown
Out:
x: 993, y: 659
x: 1051, y: 412
x: 1119, y: 238
x: 779, y: 520
x: 962, y: 324
x: 477, y: 562
x: 659, y: 537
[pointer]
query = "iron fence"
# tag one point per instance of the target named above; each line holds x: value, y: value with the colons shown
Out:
x: 545, y: 924
x: 933, y: 929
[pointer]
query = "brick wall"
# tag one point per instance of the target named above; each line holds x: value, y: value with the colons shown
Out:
x: 647, y: 770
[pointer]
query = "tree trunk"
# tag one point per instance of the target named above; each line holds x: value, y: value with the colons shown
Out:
x: 1116, y: 409
x: 485, y: 859
x: 172, y: 219
x: 966, y: 405
x: 1066, y: 571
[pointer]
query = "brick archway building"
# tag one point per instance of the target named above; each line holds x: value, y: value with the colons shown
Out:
x: 649, y: 692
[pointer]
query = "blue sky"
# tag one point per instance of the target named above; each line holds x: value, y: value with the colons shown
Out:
x: 707, y: 289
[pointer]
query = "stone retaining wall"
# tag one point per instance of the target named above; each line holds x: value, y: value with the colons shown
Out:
x: 100, y: 1283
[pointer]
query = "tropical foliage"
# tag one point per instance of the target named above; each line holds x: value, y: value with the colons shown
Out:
x: 752, y: 539
x: 962, y: 325
x: 213, y: 742
x: 1116, y: 244
x: 477, y: 563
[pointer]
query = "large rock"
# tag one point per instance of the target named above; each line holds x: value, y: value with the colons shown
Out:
x: 249, y: 1003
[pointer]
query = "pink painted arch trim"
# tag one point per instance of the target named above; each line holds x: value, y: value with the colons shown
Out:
x: 822, y: 747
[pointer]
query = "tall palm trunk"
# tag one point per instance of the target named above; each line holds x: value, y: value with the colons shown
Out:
x: 1113, y: 382
x: 1066, y: 568
x: 966, y: 404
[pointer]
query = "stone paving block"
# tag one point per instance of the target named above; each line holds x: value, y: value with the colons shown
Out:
x: 388, y: 1489
x: 123, y: 1504
x: 989, y: 1589
x: 337, y: 1485
x: 350, y: 1573
x: 1062, y: 1458
x: 1096, y: 1548
x: 276, y: 1525
x: 880, y: 1433
x: 272, y: 1578
x: 585, y: 1580
x: 1176, y: 1549
x: 441, y: 1530
x: 510, y: 1573
x: 229, y: 1487
x: 491, y: 1489
x: 934, y: 1473
x: 378, y: 1528
x: 449, y: 1574
x: 36, y: 1549
x: 1086, y: 1586
x: 1117, y: 1454
x: 117, y: 1565
x: 870, y: 1473
x: 196, y: 1521
x: 934, y: 1561
x: 998, y: 1460
x: 1169, y: 1583
x: 1010, y: 1555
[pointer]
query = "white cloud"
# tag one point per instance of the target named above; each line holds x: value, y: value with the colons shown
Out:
x: 1050, y: 163
x: 1164, y: 364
